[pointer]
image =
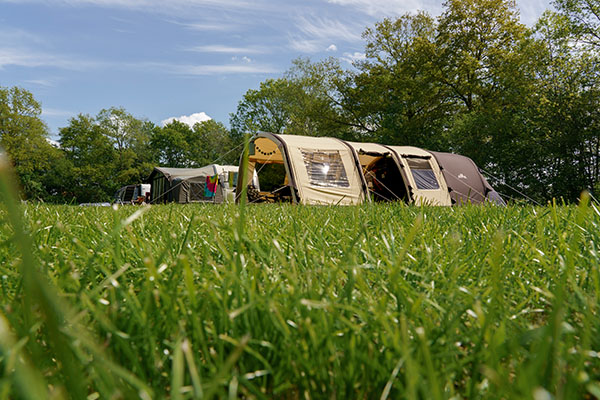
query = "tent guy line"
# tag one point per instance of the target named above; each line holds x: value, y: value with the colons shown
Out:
x: 509, y: 186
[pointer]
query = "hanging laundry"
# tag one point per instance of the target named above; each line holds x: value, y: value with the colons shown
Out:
x: 210, y: 189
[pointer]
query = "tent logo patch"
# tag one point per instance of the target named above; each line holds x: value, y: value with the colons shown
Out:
x: 462, y: 176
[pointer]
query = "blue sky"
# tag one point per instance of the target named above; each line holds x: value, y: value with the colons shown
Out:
x: 170, y: 58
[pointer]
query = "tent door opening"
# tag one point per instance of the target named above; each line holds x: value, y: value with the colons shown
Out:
x: 272, y: 186
x: 271, y: 183
x: 384, y: 179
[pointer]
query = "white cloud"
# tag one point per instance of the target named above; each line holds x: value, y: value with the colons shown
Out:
x: 351, y: 58
x: 315, y: 34
x: 217, y: 48
x: 54, y: 112
x: 14, y: 36
x: 328, y: 29
x: 245, y: 59
x: 34, y: 59
x: 203, y: 26
x: 190, y: 120
x: 305, y: 46
x: 172, y: 7
x: 387, y: 8
x: 24, y: 57
x: 53, y: 143
x: 224, y: 69
x: 42, y: 82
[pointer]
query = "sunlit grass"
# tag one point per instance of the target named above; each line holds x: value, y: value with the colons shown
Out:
x: 376, y: 301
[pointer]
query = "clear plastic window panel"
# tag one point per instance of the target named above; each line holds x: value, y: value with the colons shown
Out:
x: 325, y: 168
x: 423, y: 174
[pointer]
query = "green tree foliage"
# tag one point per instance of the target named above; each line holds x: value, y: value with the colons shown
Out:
x: 319, y: 109
x: 583, y: 17
x: 180, y: 146
x: 91, y: 173
x: 566, y: 114
x: 487, y: 61
x: 464, y: 83
x: 24, y: 136
x: 306, y: 101
x: 211, y: 142
x: 396, y: 94
x: 130, y: 137
x: 105, y: 152
x: 169, y: 144
x: 268, y: 108
x: 481, y: 50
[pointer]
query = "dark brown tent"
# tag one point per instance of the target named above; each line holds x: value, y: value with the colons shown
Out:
x: 465, y: 182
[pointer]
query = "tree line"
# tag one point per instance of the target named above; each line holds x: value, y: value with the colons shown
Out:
x: 96, y: 155
x: 521, y: 102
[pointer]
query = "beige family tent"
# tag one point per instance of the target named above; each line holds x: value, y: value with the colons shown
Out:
x: 300, y: 169
x: 322, y: 170
x: 188, y: 185
x: 403, y: 173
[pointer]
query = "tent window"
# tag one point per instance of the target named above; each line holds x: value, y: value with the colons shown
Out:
x: 423, y: 174
x: 325, y: 168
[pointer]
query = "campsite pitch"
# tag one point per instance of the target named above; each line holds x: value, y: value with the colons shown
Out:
x: 371, y: 301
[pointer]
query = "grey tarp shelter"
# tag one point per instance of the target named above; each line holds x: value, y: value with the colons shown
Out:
x: 324, y: 170
x: 186, y: 185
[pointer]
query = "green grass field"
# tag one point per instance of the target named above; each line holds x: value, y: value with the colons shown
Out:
x: 375, y: 301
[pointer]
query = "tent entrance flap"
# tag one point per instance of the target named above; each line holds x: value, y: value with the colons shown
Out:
x: 268, y: 176
x: 383, y: 172
x: 384, y: 179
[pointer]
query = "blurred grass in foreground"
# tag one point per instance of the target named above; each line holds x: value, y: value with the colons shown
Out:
x: 376, y: 301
